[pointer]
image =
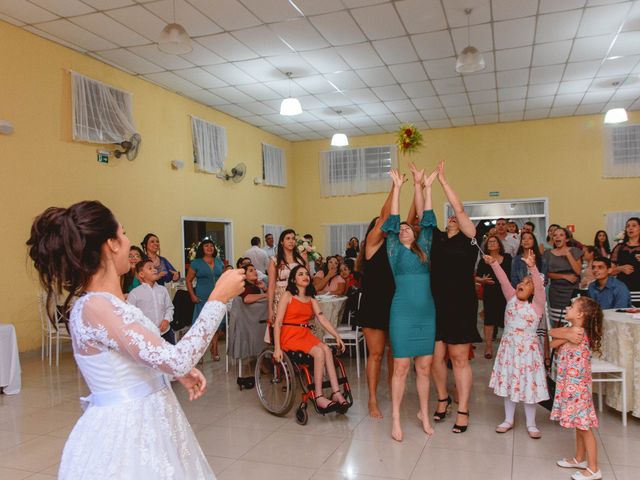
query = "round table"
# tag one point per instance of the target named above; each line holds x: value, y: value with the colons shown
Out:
x: 621, y: 346
x: 10, y: 380
x: 333, y: 308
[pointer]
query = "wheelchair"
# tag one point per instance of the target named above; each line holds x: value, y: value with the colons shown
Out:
x: 276, y: 385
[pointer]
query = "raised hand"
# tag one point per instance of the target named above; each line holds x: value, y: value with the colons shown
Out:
x: 488, y: 259
x: 229, y: 285
x: 428, y: 181
x: 397, y: 178
x: 440, y: 170
x: 418, y: 175
x: 530, y: 259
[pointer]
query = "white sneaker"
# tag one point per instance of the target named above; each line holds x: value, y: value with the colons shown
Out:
x: 573, y: 463
x: 592, y: 475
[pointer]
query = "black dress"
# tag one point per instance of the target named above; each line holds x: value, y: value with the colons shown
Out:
x: 453, y: 262
x: 378, y: 288
x: 493, y: 298
x: 624, y: 254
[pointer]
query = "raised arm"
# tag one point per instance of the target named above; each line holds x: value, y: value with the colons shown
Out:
x: 507, y: 290
x: 376, y: 236
x: 464, y: 222
x: 418, y: 194
x: 539, y: 294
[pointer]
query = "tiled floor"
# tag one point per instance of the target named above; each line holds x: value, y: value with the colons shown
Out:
x: 242, y: 441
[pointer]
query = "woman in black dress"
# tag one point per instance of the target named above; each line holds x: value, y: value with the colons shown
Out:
x: 626, y: 256
x: 377, y: 290
x: 453, y: 259
x: 493, y: 299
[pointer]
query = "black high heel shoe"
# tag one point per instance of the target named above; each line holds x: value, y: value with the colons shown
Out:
x: 331, y: 406
x: 460, y: 428
x: 341, y: 407
x: 440, y: 416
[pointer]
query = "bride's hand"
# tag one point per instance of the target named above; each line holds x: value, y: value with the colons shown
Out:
x: 194, y: 382
x: 229, y: 285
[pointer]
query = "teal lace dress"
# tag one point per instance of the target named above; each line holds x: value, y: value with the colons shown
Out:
x: 412, y: 325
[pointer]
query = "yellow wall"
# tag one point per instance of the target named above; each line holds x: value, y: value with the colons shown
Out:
x: 40, y: 166
x: 560, y: 159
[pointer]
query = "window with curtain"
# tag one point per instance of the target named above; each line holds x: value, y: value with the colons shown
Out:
x: 337, y: 236
x: 100, y: 113
x: 615, y: 223
x: 355, y: 171
x: 209, y: 145
x: 622, y: 151
x: 274, y: 168
x: 274, y: 230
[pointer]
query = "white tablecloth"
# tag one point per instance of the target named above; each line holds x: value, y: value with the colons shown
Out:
x: 9, y: 360
x: 333, y: 309
x: 621, y: 345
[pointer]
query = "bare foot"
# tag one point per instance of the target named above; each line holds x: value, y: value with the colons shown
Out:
x: 374, y: 411
x: 426, y: 426
x: 396, y: 431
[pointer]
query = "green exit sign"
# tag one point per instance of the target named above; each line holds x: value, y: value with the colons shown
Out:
x: 103, y: 157
x: 494, y: 194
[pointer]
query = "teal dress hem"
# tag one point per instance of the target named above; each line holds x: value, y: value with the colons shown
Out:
x: 412, y: 325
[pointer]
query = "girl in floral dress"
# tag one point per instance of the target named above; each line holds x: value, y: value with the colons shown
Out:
x: 518, y: 373
x: 573, y: 402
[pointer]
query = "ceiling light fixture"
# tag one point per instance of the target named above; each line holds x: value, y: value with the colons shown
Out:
x: 174, y: 39
x: 615, y: 115
x: 290, y: 106
x: 339, y: 139
x: 470, y: 59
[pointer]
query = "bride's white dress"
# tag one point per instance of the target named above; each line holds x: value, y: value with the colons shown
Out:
x: 133, y: 427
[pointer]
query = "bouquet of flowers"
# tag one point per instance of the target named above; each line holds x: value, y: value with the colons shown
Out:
x: 619, y: 238
x: 409, y: 138
x: 193, y: 250
x: 304, y: 246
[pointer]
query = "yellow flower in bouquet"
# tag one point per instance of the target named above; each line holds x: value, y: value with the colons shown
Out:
x: 409, y: 138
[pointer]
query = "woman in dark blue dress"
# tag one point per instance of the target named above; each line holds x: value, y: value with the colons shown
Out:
x: 412, y: 325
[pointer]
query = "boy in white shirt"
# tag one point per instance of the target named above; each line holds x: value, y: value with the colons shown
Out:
x: 153, y: 299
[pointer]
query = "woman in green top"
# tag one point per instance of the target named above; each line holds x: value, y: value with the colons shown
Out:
x: 129, y: 280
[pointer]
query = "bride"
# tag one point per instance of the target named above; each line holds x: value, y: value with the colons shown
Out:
x: 133, y: 426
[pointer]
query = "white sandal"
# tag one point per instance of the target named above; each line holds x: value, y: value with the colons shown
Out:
x: 504, y: 427
x: 564, y: 463
x: 534, y: 432
x: 592, y: 475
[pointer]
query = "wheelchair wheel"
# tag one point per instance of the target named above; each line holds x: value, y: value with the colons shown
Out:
x: 301, y: 414
x: 275, y: 382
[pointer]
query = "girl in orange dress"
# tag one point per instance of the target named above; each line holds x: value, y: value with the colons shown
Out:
x: 292, y: 331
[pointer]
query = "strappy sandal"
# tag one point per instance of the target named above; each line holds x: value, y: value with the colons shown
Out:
x: 440, y: 416
x: 341, y: 407
x: 504, y: 427
x: 331, y: 406
x: 460, y: 428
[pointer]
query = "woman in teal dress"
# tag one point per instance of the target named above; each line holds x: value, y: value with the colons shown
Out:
x: 206, y: 268
x: 412, y: 326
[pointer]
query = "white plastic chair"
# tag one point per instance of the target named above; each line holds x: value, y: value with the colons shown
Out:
x: 52, y: 330
x: 635, y: 298
x: 607, y: 372
x: 350, y: 337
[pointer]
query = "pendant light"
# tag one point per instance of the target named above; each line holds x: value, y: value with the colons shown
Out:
x: 174, y: 39
x: 616, y: 115
x: 470, y: 59
x: 290, y: 106
x: 339, y: 139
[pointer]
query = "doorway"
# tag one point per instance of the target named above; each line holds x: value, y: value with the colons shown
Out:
x: 196, y: 229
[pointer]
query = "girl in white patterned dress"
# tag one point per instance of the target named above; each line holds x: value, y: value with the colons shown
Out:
x: 518, y: 373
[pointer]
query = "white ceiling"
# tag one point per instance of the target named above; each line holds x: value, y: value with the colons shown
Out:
x: 379, y: 62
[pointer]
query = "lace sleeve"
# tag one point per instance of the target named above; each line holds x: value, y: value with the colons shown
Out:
x: 391, y: 227
x: 111, y: 324
x: 427, y: 224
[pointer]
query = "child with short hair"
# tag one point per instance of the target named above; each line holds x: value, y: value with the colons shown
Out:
x: 573, y: 402
x: 153, y: 299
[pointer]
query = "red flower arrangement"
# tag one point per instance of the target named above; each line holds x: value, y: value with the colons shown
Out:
x: 409, y: 138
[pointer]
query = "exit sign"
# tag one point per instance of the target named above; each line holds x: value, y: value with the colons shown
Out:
x: 494, y: 194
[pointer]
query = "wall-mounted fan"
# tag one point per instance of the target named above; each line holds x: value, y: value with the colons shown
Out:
x: 129, y: 147
x: 236, y: 174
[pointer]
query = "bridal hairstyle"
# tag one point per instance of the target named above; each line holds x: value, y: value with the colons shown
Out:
x: 66, y: 247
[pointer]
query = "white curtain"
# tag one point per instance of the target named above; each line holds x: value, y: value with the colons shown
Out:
x: 621, y: 151
x: 209, y: 145
x: 615, y: 222
x: 274, y: 166
x: 274, y: 230
x: 354, y: 171
x: 338, y: 235
x: 100, y: 112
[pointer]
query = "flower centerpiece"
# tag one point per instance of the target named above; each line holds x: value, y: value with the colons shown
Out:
x: 193, y: 250
x: 409, y: 138
x: 303, y: 246
x: 619, y: 238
